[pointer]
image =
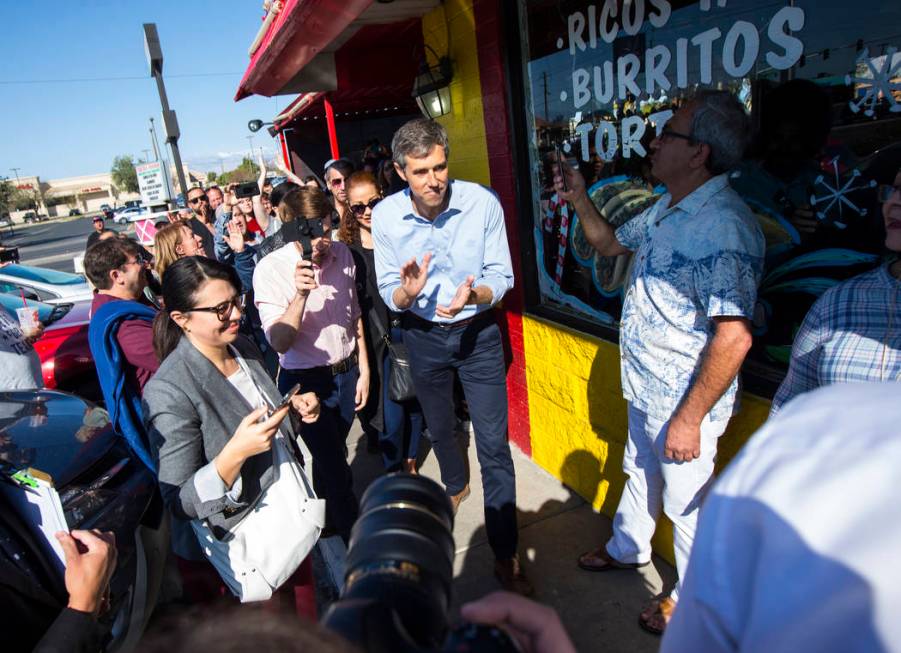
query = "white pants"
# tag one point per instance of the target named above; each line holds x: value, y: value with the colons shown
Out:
x: 655, y: 481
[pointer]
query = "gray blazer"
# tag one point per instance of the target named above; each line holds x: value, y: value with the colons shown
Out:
x: 190, y: 412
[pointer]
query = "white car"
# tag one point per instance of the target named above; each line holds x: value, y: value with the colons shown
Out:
x: 132, y: 214
x: 43, y: 284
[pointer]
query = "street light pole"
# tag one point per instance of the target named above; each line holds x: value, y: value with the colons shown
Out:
x: 170, y: 122
x: 156, y: 148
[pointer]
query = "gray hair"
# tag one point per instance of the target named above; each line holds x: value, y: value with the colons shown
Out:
x: 417, y: 138
x: 720, y: 121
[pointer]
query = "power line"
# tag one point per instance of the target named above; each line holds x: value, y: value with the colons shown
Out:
x: 78, y: 80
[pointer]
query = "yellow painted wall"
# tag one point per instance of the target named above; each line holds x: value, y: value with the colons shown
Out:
x: 453, y: 24
x: 577, y: 413
x: 578, y: 416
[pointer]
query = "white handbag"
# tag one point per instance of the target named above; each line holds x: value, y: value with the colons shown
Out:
x: 267, y: 546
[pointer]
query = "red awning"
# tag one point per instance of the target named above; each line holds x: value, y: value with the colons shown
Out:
x: 302, y: 29
x: 305, y: 29
x: 300, y: 104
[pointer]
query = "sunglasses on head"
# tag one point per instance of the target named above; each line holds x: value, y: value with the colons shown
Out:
x: 360, y: 209
x: 196, y: 199
x: 223, y: 310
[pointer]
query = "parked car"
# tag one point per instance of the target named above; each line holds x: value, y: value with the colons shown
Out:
x: 44, y: 284
x: 133, y: 204
x: 131, y: 214
x: 74, y: 212
x: 31, y: 217
x: 6, y: 222
x: 47, y: 313
x: 65, y: 353
x: 101, y: 485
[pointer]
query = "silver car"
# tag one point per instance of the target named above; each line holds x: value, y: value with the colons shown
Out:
x: 43, y: 284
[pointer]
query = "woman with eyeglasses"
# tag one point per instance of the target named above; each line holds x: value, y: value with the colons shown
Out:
x: 853, y: 331
x: 397, y: 425
x: 307, y: 299
x: 205, y: 409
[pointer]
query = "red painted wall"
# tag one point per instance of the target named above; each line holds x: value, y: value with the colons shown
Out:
x: 489, y: 38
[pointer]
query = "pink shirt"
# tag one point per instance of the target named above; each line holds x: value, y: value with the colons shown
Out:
x: 328, y: 331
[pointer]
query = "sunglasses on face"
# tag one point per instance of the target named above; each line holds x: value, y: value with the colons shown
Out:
x: 360, y: 209
x: 198, y: 198
x: 336, y: 183
x: 223, y: 311
x: 887, y: 190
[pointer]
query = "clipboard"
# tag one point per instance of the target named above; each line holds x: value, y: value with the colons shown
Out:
x: 31, y: 494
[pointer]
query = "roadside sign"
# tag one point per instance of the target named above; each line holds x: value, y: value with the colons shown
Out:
x: 153, y: 180
x: 145, y: 230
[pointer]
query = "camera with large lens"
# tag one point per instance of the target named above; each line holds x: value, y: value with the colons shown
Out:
x: 397, y: 586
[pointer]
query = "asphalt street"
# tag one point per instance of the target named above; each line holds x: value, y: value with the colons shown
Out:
x: 53, y: 244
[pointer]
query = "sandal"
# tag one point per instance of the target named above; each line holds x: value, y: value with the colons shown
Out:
x: 600, y: 560
x: 656, y: 616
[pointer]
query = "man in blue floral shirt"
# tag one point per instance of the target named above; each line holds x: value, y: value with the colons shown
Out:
x: 685, y: 330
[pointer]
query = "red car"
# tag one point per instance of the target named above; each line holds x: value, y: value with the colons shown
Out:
x: 65, y: 355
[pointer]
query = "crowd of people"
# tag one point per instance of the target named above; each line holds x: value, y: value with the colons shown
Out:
x: 332, y: 289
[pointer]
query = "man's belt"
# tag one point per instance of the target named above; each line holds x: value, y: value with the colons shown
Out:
x: 335, y: 369
x: 413, y: 320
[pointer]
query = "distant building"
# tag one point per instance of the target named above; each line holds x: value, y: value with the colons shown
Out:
x: 87, y: 193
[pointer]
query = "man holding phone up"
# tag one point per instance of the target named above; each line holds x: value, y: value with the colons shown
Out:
x: 685, y: 328
x: 306, y: 294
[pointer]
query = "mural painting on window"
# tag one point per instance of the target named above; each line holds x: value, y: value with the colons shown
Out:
x: 822, y: 85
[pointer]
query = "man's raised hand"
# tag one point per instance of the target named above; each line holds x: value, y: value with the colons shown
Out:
x: 461, y: 299
x: 413, y: 276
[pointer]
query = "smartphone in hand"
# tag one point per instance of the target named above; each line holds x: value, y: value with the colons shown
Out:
x: 284, y: 401
x: 559, y: 153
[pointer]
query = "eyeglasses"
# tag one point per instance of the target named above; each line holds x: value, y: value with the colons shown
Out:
x: 360, y: 209
x: 198, y: 198
x: 336, y: 183
x: 887, y: 190
x: 223, y: 311
x: 140, y: 259
x: 668, y: 133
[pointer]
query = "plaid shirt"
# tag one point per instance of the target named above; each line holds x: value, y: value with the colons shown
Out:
x: 846, y: 337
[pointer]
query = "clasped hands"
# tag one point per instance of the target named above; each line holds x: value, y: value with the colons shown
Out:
x: 413, y: 277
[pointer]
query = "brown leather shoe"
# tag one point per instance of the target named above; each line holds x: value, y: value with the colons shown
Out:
x: 459, y: 498
x: 511, y: 576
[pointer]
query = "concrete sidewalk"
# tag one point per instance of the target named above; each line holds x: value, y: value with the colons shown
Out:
x: 599, y: 610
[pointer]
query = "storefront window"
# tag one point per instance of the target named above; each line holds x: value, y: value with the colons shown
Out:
x: 822, y: 83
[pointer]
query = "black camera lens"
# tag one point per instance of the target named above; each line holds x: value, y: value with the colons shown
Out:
x: 401, y: 557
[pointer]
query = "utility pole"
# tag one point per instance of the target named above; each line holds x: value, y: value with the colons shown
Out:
x: 250, y: 141
x: 170, y: 122
x: 544, y: 79
x: 146, y: 155
x: 153, y: 141
x: 16, y: 171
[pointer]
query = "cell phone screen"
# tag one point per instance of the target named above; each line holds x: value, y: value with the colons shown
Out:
x: 286, y: 398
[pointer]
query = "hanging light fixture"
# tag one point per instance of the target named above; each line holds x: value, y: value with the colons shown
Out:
x: 432, y: 88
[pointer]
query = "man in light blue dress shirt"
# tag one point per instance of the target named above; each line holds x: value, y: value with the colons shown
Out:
x: 441, y: 257
x: 685, y: 328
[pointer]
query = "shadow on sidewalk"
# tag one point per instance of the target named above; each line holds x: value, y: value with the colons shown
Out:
x: 599, y: 610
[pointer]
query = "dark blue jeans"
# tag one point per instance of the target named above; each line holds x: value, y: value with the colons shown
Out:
x: 475, y: 352
x: 403, y: 421
x: 326, y: 439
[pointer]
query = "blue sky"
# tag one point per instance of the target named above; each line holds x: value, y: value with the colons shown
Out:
x: 61, y: 129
